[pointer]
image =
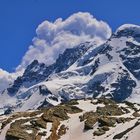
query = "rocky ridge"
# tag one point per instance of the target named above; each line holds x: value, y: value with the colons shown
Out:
x: 85, y: 119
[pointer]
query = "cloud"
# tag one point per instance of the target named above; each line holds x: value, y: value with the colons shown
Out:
x: 5, y: 79
x: 54, y: 37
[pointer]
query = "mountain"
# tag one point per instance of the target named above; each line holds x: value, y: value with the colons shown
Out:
x: 111, y: 69
x: 88, y: 119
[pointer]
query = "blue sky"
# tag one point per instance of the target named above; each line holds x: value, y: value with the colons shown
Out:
x: 20, y: 18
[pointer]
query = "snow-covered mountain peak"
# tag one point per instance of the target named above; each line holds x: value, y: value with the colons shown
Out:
x: 87, y: 70
x: 128, y: 30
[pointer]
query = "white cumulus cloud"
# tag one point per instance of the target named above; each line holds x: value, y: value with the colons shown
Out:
x: 54, y: 37
x: 5, y: 79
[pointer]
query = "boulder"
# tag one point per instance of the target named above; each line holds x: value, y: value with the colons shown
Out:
x: 136, y: 114
x: 89, y: 123
x: 99, y: 132
x: 106, y: 121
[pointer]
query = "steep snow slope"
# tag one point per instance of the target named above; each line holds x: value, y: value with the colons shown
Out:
x: 88, y: 70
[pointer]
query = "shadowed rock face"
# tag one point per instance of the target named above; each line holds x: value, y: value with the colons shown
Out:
x: 131, y: 59
x: 123, y: 86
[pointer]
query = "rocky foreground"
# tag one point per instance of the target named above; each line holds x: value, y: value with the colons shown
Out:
x: 88, y: 119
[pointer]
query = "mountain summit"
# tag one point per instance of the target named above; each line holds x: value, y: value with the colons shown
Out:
x: 111, y: 69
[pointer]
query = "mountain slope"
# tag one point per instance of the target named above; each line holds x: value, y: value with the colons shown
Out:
x: 88, y: 70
